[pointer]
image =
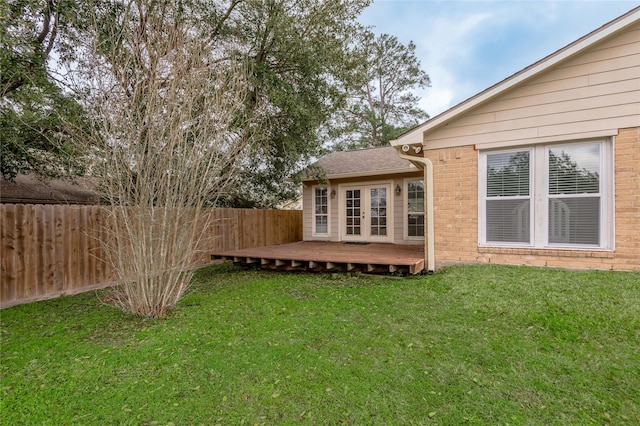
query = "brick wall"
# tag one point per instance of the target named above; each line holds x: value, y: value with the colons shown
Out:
x: 627, y: 178
x: 455, y: 189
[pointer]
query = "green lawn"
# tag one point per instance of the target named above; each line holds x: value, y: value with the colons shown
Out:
x: 469, y: 345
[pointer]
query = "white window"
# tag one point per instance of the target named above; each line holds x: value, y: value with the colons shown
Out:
x: 508, y: 197
x: 574, y: 194
x: 547, y: 196
x: 415, y: 208
x: 320, y: 210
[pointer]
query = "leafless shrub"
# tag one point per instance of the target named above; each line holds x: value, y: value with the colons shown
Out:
x: 164, y: 110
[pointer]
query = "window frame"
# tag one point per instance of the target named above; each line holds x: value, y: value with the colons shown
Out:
x: 405, y: 201
x: 483, y: 198
x: 314, y: 215
x: 540, y: 198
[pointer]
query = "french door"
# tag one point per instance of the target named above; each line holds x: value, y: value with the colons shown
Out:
x: 366, y: 213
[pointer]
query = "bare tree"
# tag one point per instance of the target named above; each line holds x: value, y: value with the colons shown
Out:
x: 164, y: 106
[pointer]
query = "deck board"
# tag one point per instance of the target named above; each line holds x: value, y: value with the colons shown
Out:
x: 329, y: 256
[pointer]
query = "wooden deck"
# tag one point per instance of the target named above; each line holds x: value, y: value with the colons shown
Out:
x: 329, y: 256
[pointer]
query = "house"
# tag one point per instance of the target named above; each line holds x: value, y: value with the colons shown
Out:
x: 368, y: 195
x: 542, y: 168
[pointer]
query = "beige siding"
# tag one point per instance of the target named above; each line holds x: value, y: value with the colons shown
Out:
x: 307, y: 217
x: 594, y: 93
x: 398, y: 209
x: 333, y: 220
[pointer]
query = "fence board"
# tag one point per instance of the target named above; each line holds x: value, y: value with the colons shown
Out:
x: 48, y: 254
x: 53, y: 250
x: 9, y: 237
x: 27, y: 252
x: 19, y: 254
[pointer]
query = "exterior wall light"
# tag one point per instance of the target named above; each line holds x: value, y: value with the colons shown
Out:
x: 398, y: 189
x: 333, y: 193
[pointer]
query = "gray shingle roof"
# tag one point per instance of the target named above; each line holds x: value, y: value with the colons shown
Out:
x: 360, y: 162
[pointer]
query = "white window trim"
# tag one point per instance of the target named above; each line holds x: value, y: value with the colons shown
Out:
x: 539, y: 194
x: 606, y: 173
x: 313, y: 211
x: 482, y: 198
x: 405, y: 210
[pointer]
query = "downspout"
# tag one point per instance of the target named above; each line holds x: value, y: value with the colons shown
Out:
x: 429, y: 242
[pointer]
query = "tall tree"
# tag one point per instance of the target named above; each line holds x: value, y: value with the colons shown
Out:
x: 381, y: 103
x: 297, y: 56
x: 37, y: 118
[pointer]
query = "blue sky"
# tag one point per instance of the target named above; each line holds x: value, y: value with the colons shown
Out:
x: 467, y: 46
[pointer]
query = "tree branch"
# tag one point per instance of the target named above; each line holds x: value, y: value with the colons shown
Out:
x: 46, y: 22
x: 54, y: 33
x: 216, y: 31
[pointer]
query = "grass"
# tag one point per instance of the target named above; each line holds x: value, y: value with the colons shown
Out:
x: 469, y: 345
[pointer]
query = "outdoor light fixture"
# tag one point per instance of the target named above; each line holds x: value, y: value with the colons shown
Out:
x: 417, y: 149
x: 398, y: 190
x: 333, y: 193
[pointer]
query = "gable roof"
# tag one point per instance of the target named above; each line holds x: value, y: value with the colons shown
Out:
x: 415, y: 135
x: 362, y: 162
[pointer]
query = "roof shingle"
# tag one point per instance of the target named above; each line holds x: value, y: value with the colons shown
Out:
x: 361, y: 162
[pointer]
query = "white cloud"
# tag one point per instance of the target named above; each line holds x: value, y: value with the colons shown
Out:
x: 446, y: 46
x: 467, y: 46
x: 444, y: 43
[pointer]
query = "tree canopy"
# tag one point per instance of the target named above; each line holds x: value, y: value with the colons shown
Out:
x: 37, y: 118
x: 297, y: 56
x: 314, y: 77
x: 297, y: 59
x: 381, y: 102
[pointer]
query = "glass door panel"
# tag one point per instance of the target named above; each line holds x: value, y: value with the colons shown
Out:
x: 353, y: 212
x: 378, y: 211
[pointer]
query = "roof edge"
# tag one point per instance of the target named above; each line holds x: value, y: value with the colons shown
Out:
x: 415, y: 135
x: 365, y: 174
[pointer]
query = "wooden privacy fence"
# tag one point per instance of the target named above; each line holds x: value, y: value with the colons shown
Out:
x: 54, y: 250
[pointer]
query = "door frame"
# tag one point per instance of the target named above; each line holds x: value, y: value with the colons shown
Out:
x: 366, y: 223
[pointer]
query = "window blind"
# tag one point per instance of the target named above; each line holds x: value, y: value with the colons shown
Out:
x: 508, y: 174
x: 508, y: 221
x: 507, y: 212
x: 574, y: 220
x: 574, y: 194
x: 574, y: 169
